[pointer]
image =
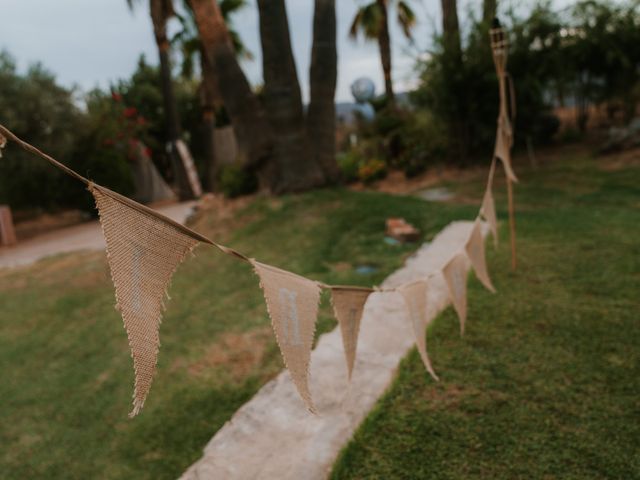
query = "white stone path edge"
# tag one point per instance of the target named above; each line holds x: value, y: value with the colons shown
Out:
x: 273, y: 436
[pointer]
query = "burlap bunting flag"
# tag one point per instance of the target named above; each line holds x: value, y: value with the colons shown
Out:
x: 455, y: 275
x: 475, y: 252
x: 488, y: 211
x: 292, y: 302
x: 348, y: 305
x: 415, y: 297
x: 143, y: 252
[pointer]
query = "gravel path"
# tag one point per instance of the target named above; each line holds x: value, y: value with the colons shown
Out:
x: 274, y: 437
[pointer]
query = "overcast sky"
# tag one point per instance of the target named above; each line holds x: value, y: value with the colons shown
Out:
x: 91, y: 43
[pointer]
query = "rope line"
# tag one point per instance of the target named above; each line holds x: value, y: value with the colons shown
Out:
x: 5, y: 132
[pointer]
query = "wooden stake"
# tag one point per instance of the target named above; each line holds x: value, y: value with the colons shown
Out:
x: 512, y: 224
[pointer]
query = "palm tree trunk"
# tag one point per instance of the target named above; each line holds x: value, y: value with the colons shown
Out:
x: 249, y: 119
x: 161, y: 10
x: 296, y: 170
x: 458, y: 127
x: 451, y: 30
x: 489, y: 9
x: 208, y: 96
x: 321, y: 117
x: 384, y: 43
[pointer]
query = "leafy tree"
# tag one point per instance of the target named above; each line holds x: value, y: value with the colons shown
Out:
x: 372, y: 20
x: 143, y: 92
x: 45, y: 114
x: 602, y: 44
x: 98, y: 140
x: 585, y: 54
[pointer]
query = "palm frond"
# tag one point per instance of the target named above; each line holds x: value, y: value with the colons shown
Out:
x: 368, y: 20
x: 190, y: 49
x: 227, y: 7
x: 372, y: 21
x: 132, y: 4
x: 406, y: 19
x: 239, y: 47
x: 354, y: 29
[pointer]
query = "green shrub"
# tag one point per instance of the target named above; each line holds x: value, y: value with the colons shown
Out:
x: 371, y: 170
x: 545, y: 128
x: 423, y: 139
x: 106, y: 165
x: 569, y: 135
x: 235, y: 181
x: 349, y: 163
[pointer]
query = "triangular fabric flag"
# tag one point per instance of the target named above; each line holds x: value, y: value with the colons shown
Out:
x: 455, y: 275
x: 415, y: 297
x: 143, y: 252
x: 348, y: 305
x: 488, y: 211
x: 292, y: 302
x: 475, y: 252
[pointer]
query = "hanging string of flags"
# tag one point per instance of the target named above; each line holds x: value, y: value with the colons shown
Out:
x: 144, y: 249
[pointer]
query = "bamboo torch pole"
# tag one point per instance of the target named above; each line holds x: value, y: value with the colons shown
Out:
x: 512, y: 224
x: 499, y: 46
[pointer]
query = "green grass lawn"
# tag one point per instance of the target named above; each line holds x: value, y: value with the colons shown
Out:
x: 67, y: 375
x: 546, y: 382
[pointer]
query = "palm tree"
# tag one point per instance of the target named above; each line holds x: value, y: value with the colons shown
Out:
x: 373, y: 21
x: 188, y: 39
x: 276, y: 135
x: 297, y: 170
x: 489, y: 9
x: 161, y: 11
x: 321, y: 115
x: 451, y: 30
x: 452, y: 65
x: 248, y: 116
x: 210, y: 99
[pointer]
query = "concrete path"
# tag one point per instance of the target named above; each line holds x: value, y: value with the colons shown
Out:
x: 87, y: 236
x: 274, y: 437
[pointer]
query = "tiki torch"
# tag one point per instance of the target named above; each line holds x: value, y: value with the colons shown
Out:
x: 504, y: 134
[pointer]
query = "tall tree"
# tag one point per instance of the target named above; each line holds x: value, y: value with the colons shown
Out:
x: 451, y: 30
x: 373, y: 21
x: 296, y: 169
x: 452, y: 66
x: 210, y: 98
x: 284, y: 161
x: 161, y: 11
x: 247, y: 114
x: 321, y: 115
x: 489, y: 9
